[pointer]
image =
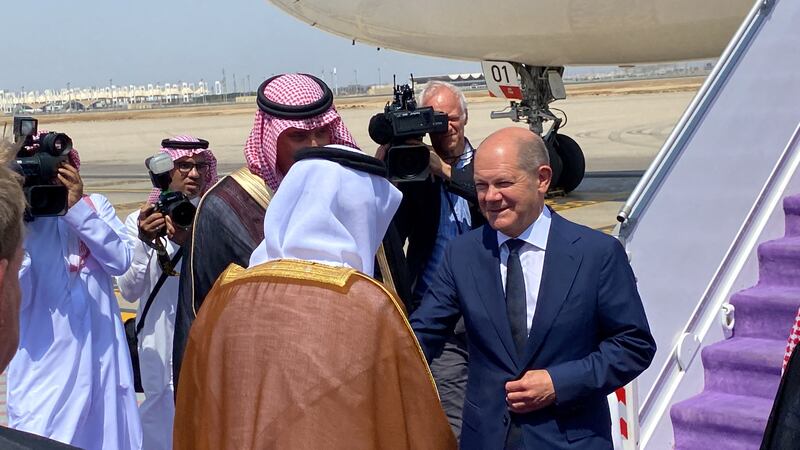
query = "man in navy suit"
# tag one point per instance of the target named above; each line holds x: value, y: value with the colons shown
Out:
x: 553, y: 317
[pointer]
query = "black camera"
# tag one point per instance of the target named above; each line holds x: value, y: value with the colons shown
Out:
x: 38, y: 161
x: 401, y: 121
x: 178, y: 207
x: 170, y: 203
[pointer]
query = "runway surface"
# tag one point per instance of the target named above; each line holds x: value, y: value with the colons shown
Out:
x: 620, y: 135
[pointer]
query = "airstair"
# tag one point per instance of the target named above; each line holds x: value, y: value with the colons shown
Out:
x: 702, y: 226
x: 742, y: 373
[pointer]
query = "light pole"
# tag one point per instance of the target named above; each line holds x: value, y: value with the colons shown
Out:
x: 335, y: 82
x: 224, y: 86
x: 379, y: 76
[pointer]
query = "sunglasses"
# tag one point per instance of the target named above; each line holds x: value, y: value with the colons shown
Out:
x: 185, y: 167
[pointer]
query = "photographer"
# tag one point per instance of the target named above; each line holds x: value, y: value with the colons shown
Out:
x: 12, y: 207
x: 194, y: 171
x: 71, y: 378
x: 433, y: 212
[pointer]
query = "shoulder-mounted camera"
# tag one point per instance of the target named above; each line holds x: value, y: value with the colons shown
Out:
x: 400, y: 122
x: 38, y: 160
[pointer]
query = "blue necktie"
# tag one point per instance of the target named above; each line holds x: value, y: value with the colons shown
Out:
x: 516, y: 304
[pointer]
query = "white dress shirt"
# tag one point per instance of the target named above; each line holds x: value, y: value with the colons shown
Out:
x: 531, y: 256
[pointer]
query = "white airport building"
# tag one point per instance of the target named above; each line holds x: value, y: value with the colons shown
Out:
x: 112, y: 96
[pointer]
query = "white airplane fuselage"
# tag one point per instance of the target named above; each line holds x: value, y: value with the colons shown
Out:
x: 534, y: 32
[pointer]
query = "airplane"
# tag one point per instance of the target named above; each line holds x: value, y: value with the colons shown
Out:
x: 525, y: 44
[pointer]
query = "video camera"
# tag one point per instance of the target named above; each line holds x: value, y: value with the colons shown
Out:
x: 170, y: 203
x: 401, y: 121
x: 38, y: 161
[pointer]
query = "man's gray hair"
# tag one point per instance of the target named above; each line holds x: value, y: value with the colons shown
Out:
x: 431, y: 87
x: 12, y: 204
x: 533, y: 154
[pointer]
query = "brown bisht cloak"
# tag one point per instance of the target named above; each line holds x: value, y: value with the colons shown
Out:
x: 298, y: 355
x: 228, y: 226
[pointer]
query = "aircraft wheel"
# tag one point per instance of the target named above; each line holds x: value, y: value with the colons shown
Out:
x: 556, y: 165
x: 572, y: 161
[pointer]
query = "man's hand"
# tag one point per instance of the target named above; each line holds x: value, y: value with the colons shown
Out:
x: 381, y: 152
x: 150, y: 223
x: 71, y: 179
x: 177, y: 234
x: 437, y: 166
x: 531, y: 392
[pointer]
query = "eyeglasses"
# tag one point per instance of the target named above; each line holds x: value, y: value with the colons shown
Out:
x: 185, y: 167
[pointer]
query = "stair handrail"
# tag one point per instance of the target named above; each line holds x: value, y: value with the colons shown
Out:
x: 719, y: 289
x: 676, y: 142
x: 658, y: 399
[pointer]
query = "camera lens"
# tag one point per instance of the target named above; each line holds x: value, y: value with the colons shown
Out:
x: 407, y: 163
x: 56, y: 144
x: 408, y: 166
x: 46, y: 200
x: 182, y: 213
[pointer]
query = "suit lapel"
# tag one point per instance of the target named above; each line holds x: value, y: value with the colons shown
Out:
x: 490, y: 290
x: 561, y: 262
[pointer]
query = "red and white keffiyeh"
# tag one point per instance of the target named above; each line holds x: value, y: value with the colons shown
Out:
x: 177, y: 153
x: 794, y: 339
x: 294, y: 89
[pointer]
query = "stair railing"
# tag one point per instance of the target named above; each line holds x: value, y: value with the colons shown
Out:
x: 676, y: 141
x: 659, y: 399
x: 719, y: 289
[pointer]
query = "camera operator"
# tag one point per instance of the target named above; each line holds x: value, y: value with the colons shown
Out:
x: 71, y: 378
x: 194, y: 171
x: 12, y: 207
x: 433, y: 212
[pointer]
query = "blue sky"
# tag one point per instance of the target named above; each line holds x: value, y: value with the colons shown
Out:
x: 89, y: 42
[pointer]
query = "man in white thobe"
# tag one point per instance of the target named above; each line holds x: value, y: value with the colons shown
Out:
x: 195, y: 170
x: 71, y: 378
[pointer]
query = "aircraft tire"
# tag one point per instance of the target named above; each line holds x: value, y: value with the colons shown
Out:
x: 572, y: 161
x: 556, y: 165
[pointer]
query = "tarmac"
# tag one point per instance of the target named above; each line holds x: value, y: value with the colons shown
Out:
x: 619, y: 128
x: 618, y: 133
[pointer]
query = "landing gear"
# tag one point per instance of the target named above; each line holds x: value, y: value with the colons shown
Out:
x: 565, y: 153
x: 539, y: 87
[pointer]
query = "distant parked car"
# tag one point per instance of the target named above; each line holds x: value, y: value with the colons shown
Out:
x: 25, y: 109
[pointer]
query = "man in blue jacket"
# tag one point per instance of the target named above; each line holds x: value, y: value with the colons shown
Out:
x: 552, y: 314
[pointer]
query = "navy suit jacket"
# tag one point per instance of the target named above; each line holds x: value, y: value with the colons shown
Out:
x: 589, y: 332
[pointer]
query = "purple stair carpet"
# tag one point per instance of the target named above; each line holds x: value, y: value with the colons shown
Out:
x: 742, y: 373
